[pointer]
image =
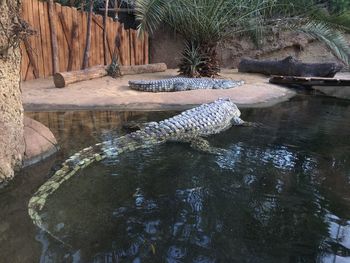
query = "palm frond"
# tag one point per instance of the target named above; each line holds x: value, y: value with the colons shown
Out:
x: 150, y: 13
x: 334, y: 39
x: 340, y: 21
x: 207, y: 22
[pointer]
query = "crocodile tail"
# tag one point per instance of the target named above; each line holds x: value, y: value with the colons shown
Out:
x: 69, y: 168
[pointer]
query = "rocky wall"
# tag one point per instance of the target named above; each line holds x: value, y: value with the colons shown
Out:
x: 166, y: 46
x: 11, y: 110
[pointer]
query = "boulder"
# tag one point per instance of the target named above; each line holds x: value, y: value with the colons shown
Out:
x: 40, y: 143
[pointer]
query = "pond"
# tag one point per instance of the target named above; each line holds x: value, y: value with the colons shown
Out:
x: 281, y: 193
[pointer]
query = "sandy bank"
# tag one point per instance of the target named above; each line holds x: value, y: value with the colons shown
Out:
x: 109, y: 93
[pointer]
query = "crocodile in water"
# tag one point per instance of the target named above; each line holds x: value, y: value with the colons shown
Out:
x: 182, y: 84
x: 189, y: 126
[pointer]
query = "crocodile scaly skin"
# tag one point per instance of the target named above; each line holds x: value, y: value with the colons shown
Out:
x: 182, y: 84
x: 189, y: 126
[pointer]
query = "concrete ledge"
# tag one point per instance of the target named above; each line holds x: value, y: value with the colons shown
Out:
x: 40, y: 143
x: 109, y: 93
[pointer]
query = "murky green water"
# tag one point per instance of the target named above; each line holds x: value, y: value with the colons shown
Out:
x: 280, y: 194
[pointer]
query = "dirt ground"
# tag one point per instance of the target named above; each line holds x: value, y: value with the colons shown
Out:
x: 109, y: 93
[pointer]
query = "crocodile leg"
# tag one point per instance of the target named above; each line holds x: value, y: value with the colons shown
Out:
x: 132, y: 126
x: 201, y: 144
x: 251, y: 124
x: 236, y: 121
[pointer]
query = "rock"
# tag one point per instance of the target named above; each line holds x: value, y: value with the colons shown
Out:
x: 39, y: 142
x: 11, y: 109
x: 342, y: 92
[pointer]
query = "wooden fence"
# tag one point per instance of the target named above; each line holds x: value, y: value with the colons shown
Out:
x: 71, y: 27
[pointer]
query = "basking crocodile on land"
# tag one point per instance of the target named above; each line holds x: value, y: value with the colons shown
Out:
x: 189, y: 126
x: 182, y: 84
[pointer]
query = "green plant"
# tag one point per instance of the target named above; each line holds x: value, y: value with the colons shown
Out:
x: 339, y: 5
x: 197, y: 61
x: 207, y: 22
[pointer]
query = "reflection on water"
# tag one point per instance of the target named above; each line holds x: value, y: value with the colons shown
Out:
x: 279, y: 194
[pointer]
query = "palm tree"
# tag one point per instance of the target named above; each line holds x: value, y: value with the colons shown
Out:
x: 204, y: 23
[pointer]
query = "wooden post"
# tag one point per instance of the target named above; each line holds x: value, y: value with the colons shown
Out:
x: 73, y: 52
x: 55, y: 62
x: 105, y: 44
x: 88, y: 37
x: 70, y: 38
x: 31, y: 58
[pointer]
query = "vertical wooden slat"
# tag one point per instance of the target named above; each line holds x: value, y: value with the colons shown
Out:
x: 108, y: 41
x: 71, y: 51
x: 53, y: 35
x: 49, y: 62
x: 136, y: 44
x: 112, y: 29
x: 100, y: 42
x: 139, y: 48
x: 24, y: 62
x: 95, y: 41
x: 132, y: 36
x: 60, y: 40
x: 146, y: 49
x: 68, y: 21
x: 120, y: 33
x: 31, y: 58
x: 68, y: 16
x: 135, y: 49
x: 76, y: 42
x: 62, y: 43
x: 31, y: 41
x: 43, y: 39
x: 125, y: 46
x: 92, y: 44
x: 81, y: 37
x: 37, y: 49
x: 143, y: 50
x: 92, y: 59
x: 105, y: 30
x: 87, y: 50
x: 24, y: 65
x: 84, y: 26
x: 116, y: 32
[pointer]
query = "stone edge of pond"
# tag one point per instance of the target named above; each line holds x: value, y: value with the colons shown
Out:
x: 40, y: 143
x: 148, y: 106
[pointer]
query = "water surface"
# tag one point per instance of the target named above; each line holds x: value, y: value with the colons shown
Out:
x: 281, y: 193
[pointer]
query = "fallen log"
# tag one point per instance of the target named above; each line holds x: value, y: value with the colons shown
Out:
x: 139, y: 69
x: 289, y: 67
x: 309, y: 81
x: 62, y: 79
